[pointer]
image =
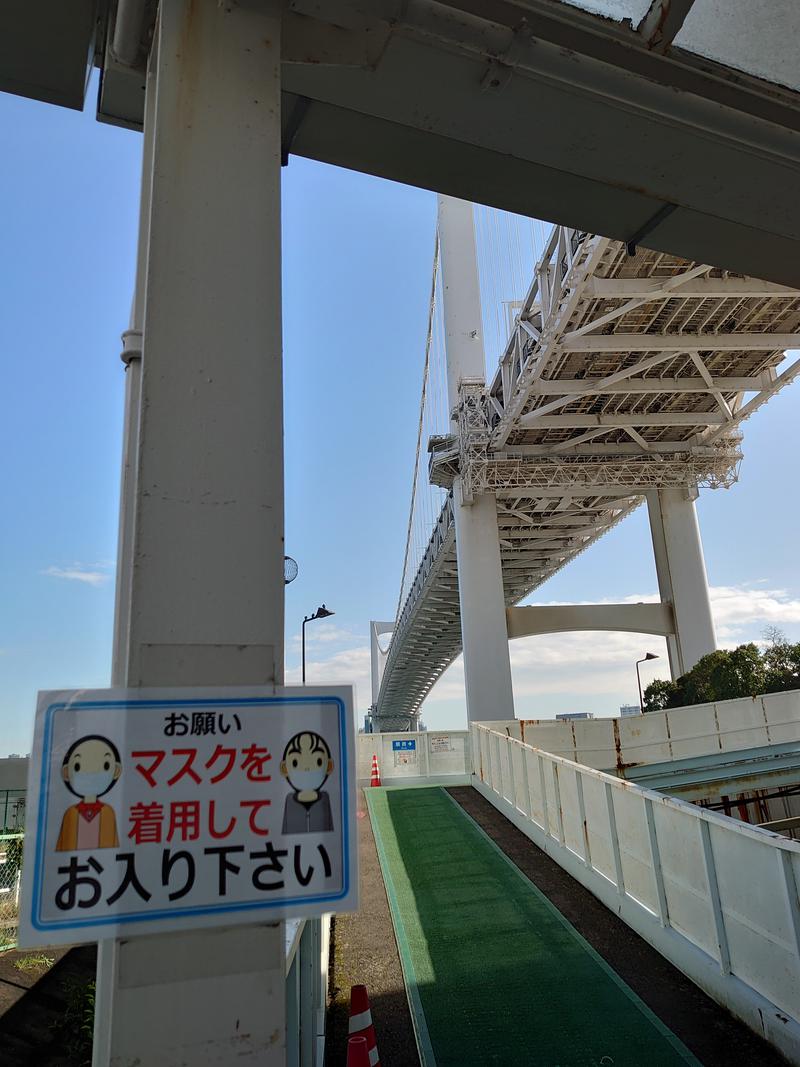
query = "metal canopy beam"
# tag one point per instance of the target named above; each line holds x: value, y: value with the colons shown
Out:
x: 448, y: 104
x: 47, y: 49
x: 439, y: 94
x: 379, y: 99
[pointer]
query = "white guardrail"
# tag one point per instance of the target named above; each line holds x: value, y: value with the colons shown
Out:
x: 716, y: 897
x: 307, y: 958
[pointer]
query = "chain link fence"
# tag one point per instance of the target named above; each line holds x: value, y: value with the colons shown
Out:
x: 10, y: 874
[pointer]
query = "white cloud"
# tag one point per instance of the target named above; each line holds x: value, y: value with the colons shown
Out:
x: 325, y: 633
x: 90, y: 574
x: 350, y: 666
x: 742, y: 612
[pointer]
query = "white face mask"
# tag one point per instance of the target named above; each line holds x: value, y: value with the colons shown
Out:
x: 306, y: 780
x: 88, y: 784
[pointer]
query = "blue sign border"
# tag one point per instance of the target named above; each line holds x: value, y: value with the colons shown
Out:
x: 210, y: 909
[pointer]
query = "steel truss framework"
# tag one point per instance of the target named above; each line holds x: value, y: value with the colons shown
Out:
x: 623, y: 373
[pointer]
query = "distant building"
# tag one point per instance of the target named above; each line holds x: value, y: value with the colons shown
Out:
x: 630, y: 709
x: 568, y: 716
x: 13, y: 786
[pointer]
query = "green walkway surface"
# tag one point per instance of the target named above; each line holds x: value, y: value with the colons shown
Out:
x: 495, y: 974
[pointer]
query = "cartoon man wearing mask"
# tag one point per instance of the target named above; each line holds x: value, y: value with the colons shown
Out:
x: 91, y: 767
x: 306, y: 765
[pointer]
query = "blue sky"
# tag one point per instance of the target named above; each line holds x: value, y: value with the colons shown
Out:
x: 357, y: 260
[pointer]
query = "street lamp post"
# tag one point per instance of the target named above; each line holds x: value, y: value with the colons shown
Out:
x: 649, y: 655
x: 321, y: 613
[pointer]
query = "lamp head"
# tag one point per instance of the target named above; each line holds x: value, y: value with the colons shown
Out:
x: 323, y: 613
x: 651, y: 655
x: 289, y: 569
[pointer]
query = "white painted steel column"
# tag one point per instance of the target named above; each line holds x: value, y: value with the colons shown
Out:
x: 202, y: 603
x: 682, y: 578
x: 132, y: 340
x: 107, y: 950
x: 487, y: 666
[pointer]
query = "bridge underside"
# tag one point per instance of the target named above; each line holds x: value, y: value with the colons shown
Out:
x: 623, y: 375
x: 535, y: 531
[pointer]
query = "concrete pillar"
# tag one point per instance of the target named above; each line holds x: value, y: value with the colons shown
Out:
x: 377, y: 655
x: 487, y: 666
x: 463, y: 328
x: 200, y: 593
x: 682, y: 578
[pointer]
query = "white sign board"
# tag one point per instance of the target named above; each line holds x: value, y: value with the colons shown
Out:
x: 440, y: 742
x: 156, y: 810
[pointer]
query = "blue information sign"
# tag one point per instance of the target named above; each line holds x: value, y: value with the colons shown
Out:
x: 404, y: 746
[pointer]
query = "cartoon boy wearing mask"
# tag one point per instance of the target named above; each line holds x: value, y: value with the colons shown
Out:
x: 306, y: 765
x: 91, y: 767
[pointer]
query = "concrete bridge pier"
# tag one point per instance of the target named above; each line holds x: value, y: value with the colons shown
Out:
x: 682, y: 579
x: 487, y: 664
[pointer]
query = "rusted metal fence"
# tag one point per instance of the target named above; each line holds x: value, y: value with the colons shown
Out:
x: 10, y: 873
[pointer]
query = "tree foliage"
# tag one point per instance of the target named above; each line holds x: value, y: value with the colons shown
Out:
x: 745, y: 671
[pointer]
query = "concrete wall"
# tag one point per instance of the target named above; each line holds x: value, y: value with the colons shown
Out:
x: 614, y: 744
x: 437, y: 754
x: 13, y: 789
x: 14, y: 773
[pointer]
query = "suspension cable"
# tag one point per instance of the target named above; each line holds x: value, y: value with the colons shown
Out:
x: 425, y: 373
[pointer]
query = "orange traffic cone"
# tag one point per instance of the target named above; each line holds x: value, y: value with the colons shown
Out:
x: 357, y: 1052
x: 375, y: 779
x: 361, y: 1026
